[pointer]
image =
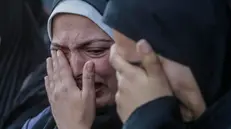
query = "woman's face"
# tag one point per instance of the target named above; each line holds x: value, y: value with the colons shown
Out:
x: 82, y: 40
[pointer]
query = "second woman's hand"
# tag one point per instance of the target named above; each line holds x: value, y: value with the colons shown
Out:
x: 137, y: 86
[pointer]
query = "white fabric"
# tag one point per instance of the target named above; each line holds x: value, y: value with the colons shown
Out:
x: 78, y: 7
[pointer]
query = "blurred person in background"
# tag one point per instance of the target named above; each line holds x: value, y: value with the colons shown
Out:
x: 22, y: 47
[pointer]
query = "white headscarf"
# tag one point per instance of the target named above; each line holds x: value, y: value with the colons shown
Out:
x: 78, y: 7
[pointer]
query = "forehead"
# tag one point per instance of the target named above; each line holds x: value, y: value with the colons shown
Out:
x: 75, y: 28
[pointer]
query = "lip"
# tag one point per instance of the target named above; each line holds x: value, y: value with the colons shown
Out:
x: 98, y: 86
x: 99, y: 91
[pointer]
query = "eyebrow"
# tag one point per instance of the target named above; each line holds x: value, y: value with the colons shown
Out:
x: 85, y: 43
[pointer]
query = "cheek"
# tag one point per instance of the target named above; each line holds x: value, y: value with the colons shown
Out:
x: 104, y: 69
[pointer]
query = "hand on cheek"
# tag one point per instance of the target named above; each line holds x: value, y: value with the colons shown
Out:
x: 137, y: 86
x: 71, y: 107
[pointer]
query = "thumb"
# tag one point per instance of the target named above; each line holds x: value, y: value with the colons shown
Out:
x: 88, y: 81
x: 150, y: 60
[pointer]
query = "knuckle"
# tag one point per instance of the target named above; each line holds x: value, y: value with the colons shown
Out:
x: 63, y: 89
x: 55, y: 96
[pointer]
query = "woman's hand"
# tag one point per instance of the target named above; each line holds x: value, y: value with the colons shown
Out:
x: 137, y: 86
x: 179, y: 78
x: 72, y: 108
x: 185, y: 88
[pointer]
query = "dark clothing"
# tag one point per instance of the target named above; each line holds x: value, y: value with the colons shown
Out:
x: 164, y: 114
x: 192, y: 32
x: 30, y: 101
x: 21, y: 48
x: 195, y: 33
x: 99, y: 5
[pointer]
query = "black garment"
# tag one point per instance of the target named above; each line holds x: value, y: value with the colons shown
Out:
x: 164, y: 114
x: 21, y: 48
x: 192, y: 32
x: 99, y: 5
x: 195, y: 33
x: 30, y: 101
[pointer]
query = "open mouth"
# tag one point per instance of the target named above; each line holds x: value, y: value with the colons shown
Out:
x: 98, y: 86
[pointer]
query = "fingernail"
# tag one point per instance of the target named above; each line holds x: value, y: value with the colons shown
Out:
x: 145, y: 47
x: 90, y: 66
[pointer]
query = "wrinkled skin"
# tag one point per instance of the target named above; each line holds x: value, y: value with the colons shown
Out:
x: 80, y: 78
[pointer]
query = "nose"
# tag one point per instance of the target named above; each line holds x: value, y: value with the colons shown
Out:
x: 76, y: 63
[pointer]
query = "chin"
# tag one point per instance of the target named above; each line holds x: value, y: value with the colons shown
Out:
x: 104, y: 99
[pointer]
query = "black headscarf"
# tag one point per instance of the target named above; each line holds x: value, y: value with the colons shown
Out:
x: 21, y: 48
x: 192, y: 32
x: 195, y: 33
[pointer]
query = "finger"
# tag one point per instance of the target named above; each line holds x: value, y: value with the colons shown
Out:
x: 47, y: 83
x: 48, y: 89
x: 50, y: 73
x: 54, y: 60
x: 186, y: 113
x: 89, y: 80
x: 123, y: 83
x: 65, y: 72
x: 121, y: 65
x: 55, y: 77
x: 150, y: 60
x: 49, y: 66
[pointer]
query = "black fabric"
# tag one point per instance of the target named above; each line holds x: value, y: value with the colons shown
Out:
x: 164, y: 114
x: 195, y: 33
x: 21, y: 49
x: 192, y: 32
x: 30, y: 101
x: 99, y: 5
x: 217, y: 116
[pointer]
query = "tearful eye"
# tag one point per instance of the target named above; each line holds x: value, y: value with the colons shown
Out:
x: 97, y: 52
x: 65, y: 52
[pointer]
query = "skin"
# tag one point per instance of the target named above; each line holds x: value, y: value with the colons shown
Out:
x: 80, y: 78
x: 137, y: 86
x: 74, y: 69
x: 180, y: 78
x: 82, y: 40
